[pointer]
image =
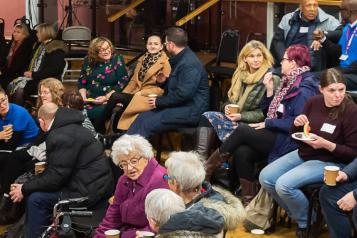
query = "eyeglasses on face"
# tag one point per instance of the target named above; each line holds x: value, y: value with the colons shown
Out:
x: 3, y: 100
x: 102, y: 50
x: 133, y: 163
x: 44, y: 93
x: 282, y: 60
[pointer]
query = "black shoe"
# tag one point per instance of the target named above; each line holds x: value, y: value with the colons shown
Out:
x: 5, y: 203
x: 301, y: 232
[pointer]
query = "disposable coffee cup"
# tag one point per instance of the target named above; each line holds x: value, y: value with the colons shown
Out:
x: 146, y: 234
x: 7, y: 128
x: 331, y: 173
x: 233, y: 108
x: 112, y: 233
x: 152, y: 95
x: 40, y: 167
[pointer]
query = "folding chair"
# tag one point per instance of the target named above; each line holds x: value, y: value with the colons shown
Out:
x: 75, y: 36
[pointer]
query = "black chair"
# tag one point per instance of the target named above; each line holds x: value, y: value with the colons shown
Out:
x: 224, y: 65
x: 312, y: 193
x: 256, y: 36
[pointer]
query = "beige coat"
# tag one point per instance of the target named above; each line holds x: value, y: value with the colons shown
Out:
x: 139, y: 103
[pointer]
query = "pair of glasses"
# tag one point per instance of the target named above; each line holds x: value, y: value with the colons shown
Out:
x: 167, y: 177
x: 105, y: 50
x: 44, y: 93
x: 3, y: 100
x: 282, y: 60
x: 133, y: 163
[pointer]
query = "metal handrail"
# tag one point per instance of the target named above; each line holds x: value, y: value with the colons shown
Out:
x: 196, y: 12
x: 124, y: 11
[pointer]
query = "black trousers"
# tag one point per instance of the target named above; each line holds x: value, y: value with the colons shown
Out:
x: 248, y: 146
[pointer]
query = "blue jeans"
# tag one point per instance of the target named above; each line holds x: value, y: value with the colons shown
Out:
x: 39, y: 207
x: 337, y: 221
x: 283, y: 178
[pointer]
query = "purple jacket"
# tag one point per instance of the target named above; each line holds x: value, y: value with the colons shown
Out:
x: 127, y: 213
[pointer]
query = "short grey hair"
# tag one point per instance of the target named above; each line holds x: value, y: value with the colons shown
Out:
x: 187, y: 169
x: 130, y: 144
x: 161, y: 204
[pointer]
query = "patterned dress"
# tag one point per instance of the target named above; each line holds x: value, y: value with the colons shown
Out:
x: 101, y: 79
x: 221, y: 124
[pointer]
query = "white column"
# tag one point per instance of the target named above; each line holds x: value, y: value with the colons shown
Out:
x: 270, y: 22
x: 31, y: 7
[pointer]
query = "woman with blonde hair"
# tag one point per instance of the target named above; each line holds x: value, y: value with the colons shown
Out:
x: 50, y: 90
x: 47, y: 61
x: 246, y: 91
x: 103, y: 73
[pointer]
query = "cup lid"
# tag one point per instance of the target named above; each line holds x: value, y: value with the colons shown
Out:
x: 112, y: 232
x: 332, y: 168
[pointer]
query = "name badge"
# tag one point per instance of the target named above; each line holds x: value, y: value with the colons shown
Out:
x: 328, y: 128
x: 281, y: 108
x: 343, y: 57
x: 304, y: 29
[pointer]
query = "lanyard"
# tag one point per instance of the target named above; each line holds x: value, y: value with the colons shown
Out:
x: 349, y: 42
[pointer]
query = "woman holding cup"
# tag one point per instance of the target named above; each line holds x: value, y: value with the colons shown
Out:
x: 270, y: 138
x: 333, y: 142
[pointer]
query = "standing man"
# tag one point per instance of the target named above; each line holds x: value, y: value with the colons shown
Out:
x: 346, y: 49
x: 186, y: 94
x: 76, y: 167
x: 298, y: 27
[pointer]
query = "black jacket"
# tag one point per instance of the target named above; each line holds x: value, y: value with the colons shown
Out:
x: 20, y: 62
x: 53, y: 63
x: 76, y: 165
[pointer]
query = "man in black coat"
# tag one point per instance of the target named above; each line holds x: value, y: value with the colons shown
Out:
x: 76, y: 167
x: 186, y: 94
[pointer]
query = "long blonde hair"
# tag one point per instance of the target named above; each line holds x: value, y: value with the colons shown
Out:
x: 56, y: 89
x: 243, y: 67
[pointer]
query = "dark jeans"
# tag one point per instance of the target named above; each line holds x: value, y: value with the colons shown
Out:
x: 337, y: 220
x: 150, y: 122
x: 248, y: 146
x: 39, y: 208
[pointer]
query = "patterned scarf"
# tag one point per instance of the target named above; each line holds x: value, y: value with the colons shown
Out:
x: 37, y: 58
x: 149, y: 60
x: 286, y: 84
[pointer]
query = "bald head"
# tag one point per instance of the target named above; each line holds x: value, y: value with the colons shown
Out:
x: 309, y: 9
x: 349, y: 10
x: 47, y: 111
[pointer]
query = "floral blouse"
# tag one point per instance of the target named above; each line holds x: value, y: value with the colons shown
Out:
x: 102, y: 78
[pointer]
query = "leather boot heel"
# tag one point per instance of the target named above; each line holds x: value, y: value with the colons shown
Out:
x: 214, y: 162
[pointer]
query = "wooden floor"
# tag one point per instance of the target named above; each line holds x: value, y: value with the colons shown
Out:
x: 281, y: 232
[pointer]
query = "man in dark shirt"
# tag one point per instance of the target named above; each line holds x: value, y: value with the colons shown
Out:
x: 297, y: 28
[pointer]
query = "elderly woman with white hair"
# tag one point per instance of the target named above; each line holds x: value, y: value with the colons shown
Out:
x: 186, y: 175
x: 168, y: 217
x: 142, y: 174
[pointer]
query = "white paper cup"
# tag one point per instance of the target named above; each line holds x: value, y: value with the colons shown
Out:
x: 257, y: 232
x: 152, y: 95
x: 112, y: 233
x: 331, y: 172
x: 146, y: 234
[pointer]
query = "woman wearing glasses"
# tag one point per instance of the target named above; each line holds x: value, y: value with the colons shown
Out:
x: 142, y: 174
x: 103, y: 73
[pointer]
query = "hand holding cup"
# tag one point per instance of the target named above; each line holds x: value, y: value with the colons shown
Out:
x: 7, y: 132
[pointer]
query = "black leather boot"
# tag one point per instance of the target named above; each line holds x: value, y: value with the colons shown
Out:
x: 215, y: 161
x: 205, y: 138
x: 5, y: 203
x: 248, y: 190
x: 12, y: 215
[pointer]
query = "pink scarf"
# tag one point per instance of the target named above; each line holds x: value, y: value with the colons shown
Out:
x: 286, y: 84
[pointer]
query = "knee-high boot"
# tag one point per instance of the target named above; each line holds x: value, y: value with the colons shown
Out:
x: 248, y: 190
x: 214, y: 162
x: 205, y: 138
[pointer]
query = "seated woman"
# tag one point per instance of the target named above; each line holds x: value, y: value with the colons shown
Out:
x: 103, y: 73
x: 168, y: 217
x: 247, y: 90
x: 47, y: 61
x: 270, y: 138
x: 142, y: 174
x: 152, y: 68
x: 333, y: 142
x: 15, y: 56
x: 186, y: 174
